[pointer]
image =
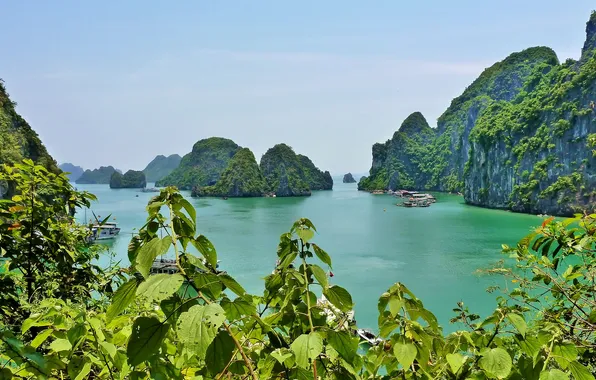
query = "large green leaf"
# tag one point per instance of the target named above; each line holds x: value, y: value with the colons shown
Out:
x: 405, y: 353
x: 281, y: 354
x: 564, y: 353
x: 231, y: 284
x: 206, y: 248
x: 160, y: 286
x: 189, y: 209
x: 198, y: 326
x: 145, y: 339
x: 319, y: 274
x: 41, y: 337
x: 395, y: 304
x: 149, y: 252
x: 519, y: 323
x: 496, y: 362
x: 219, y: 352
x: 455, y: 361
x: 339, y: 297
x: 580, y: 372
x: 208, y: 283
x: 322, y: 255
x: 122, y: 298
x: 305, y: 234
x: 554, y: 374
x: 307, y: 346
x: 60, y: 345
x: 344, y: 343
x: 238, y: 308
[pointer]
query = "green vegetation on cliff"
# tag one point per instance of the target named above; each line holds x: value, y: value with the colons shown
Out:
x: 161, y: 166
x: 132, y: 179
x: 97, y: 176
x: 203, y: 165
x: 284, y: 172
x: 241, y: 178
x: 518, y: 137
x: 402, y: 162
x: 316, y: 179
x: 17, y: 139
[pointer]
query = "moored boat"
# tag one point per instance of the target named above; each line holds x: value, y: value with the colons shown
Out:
x: 104, y: 231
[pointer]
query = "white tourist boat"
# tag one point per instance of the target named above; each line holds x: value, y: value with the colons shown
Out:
x: 107, y: 230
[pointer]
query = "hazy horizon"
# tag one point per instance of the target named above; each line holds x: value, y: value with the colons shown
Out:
x: 117, y: 84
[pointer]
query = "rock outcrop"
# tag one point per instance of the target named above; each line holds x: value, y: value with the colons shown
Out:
x: 520, y: 137
x: 241, y: 178
x: 161, y: 166
x: 284, y: 172
x: 132, y: 179
x: 316, y: 179
x: 17, y: 139
x: 203, y: 165
x: 401, y: 161
x: 349, y: 178
x: 74, y: 172
x: 102, y: 175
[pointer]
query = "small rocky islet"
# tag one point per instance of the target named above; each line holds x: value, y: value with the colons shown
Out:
x: 348, y: 178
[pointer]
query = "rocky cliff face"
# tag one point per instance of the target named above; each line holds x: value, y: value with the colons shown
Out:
x: 17, y: 139
x: 348, y: 178
x: 317, y: 179
x: 74, y: 171
x: 203, y: 165
x: 519, y: 137
x: 284, y: 172
x: 161, y: 166
x: 241, y: 178
x: 533, y: 153
x: 102, y: 175
x: 132, y: 179
x: 401, y: 161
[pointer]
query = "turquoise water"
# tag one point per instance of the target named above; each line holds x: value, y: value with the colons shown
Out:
x: 435, y: 251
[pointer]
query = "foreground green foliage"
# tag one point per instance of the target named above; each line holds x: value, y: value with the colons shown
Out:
x: 132, y: 179
x: 102, y: 175
x: 161, y: 166
x: 200, y: 323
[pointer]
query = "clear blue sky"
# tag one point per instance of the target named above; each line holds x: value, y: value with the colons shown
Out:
x: 116, y: 83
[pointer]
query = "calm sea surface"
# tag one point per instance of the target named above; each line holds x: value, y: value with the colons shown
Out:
x: 434, y: 251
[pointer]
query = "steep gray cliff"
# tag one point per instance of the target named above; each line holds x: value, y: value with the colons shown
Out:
x: 519, y: 137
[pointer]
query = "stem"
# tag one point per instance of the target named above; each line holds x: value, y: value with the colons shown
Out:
x: 550, y: 350
x: 175, y: 240
x: 98, y: 349
x: 312, y: 328
x: 29, y: 274
x: 239, y: 347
